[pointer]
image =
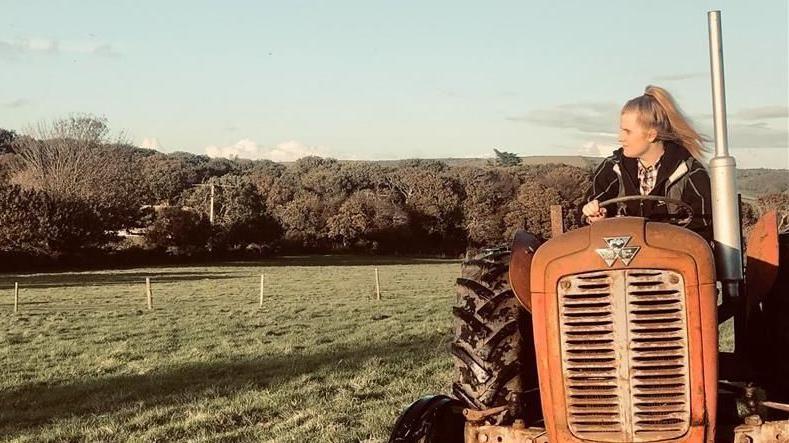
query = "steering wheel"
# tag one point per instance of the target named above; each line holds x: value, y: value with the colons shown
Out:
x: 675, y: 218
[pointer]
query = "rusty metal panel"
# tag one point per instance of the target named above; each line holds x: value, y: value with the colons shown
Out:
x: 762, y: 432
x: 624, y: 350
x: 763, y: 257
x: 474, y: 433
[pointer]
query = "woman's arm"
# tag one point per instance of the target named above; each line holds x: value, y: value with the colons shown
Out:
x: 605, y: 185
x: 697, y: 194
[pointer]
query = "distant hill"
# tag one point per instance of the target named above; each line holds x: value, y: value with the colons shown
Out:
x: 572, y: 160
x: 752, y: 182
x: 756, y: 182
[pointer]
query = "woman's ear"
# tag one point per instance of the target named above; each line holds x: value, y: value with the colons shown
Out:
x: 652, y: 135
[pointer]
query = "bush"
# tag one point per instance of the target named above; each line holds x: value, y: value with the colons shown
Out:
x: 34, y: 222
x: 179, y: 231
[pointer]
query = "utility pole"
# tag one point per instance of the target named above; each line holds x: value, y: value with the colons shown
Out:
x: 212, y: 198
x: 211, y: 213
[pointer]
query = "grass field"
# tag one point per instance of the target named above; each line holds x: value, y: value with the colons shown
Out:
x: 321, y: 361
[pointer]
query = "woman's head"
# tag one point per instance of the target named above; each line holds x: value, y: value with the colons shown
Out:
x: 654, y: 117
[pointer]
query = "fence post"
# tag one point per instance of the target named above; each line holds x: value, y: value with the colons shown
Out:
x: 148, y: 293
x: 16, y: 297
x: 260, y: 304
x: 377, y: 286
x: 557, y: 221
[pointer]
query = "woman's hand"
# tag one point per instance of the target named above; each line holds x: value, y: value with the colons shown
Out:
x: 593, y: 211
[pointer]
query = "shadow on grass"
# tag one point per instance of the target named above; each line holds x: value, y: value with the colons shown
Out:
x: 30, y: 406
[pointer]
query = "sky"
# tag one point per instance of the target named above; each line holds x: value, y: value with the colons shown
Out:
x: 374, y: 80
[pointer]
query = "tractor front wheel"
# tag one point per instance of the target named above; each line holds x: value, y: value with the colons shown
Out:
x: 493, y: 350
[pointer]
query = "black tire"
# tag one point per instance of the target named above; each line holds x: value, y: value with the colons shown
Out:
x: 493, y: 349
x: 431, y: 419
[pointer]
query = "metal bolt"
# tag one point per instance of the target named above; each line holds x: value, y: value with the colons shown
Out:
x: 673, y: 279
x: 753, y: 420
x: 566, y: 284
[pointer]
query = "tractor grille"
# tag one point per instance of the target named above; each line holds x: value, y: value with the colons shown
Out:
x: 624, y: 346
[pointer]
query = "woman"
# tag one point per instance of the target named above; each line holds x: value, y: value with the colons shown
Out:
x: 661, y: 155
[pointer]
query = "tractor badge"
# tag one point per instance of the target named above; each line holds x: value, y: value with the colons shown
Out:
x: 618, y: 248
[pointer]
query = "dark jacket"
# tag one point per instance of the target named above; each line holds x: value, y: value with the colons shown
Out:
x: 680, y: 177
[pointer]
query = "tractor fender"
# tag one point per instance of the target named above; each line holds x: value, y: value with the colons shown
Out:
x: 763, y: 257
x: 524, y: 245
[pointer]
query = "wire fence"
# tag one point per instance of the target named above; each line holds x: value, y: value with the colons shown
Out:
x: 202, y: 288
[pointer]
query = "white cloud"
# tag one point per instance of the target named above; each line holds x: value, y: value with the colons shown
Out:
x: 773, y: 158
x: 486, y: 154
x: 585, y: 118
x: 102, y: 50
x: 283, y: 152
x: 768, y: 134
x: 18, y: 103
x: 47, y: 46
x: 763, y: 112
x: 40, y: 44
x: 595, y: 149
x: 150, y: 143
x: 245, y: 148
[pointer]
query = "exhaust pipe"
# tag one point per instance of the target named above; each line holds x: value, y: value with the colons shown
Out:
x: 725, y: 203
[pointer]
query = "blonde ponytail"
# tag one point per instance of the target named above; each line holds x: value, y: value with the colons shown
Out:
x: 657, y: 110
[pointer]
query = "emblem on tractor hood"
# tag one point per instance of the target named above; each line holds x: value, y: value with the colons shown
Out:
x: 618, y: 248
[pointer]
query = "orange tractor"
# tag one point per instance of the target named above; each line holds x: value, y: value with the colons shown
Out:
x: 609, y: 333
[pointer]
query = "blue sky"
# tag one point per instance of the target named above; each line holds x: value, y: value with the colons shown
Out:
x: 380, y: 80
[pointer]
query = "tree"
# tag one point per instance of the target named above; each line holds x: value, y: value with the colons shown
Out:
x: 357, y: 176
x: 303, y: 197
x: 263, y: 175
x: 367, y: 219
x: 572, y: 184
x: 179, y: 231
x: 165, y: 177
x: 6, y: 141
x: 38, y: 223
x: 531, y: 210
x: 779, y: 202
x: 74, y: 158
x: 431, y: 197
x: 488, y: 193
x: 65, y: 158
x: 506, y: 158
x: 304, y: 220
x: 240, y: 218
x: 75, y: 163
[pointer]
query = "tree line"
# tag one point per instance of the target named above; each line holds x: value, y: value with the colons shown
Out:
x: 69, y: 191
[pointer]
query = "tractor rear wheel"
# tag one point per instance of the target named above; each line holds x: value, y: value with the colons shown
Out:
x: 775, y: 361
x: 493, y: 350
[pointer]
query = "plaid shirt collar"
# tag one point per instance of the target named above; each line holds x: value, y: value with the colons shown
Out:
x: 647, y: 176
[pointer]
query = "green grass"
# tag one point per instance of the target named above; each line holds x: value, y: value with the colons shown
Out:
x: 322, y: 360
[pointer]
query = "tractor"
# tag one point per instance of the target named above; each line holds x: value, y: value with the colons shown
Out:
x: 609, y: 332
